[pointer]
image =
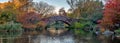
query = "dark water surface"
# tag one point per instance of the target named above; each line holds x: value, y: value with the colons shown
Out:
x: 37, y: 37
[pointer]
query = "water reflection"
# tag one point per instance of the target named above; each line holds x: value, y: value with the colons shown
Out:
x: 28, y: 37
x: 10, y: 34
x: 56, y: 39
x: 8, y: 37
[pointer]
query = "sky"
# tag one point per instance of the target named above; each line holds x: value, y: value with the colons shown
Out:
x: 1, y: 1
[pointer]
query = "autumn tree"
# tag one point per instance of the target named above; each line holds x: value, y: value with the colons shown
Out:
x: 29, y: 20
x: 7, y: 16
x: 21, y: 7
x: 111, y: 15
x: 86, y: 9
x: 87, y: 12
x: 6, y: 13
x: 22, y: 4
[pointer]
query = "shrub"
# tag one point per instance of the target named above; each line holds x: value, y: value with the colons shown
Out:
x: 11, y: 26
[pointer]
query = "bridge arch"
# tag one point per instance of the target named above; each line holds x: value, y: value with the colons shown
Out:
x: 58, y: 21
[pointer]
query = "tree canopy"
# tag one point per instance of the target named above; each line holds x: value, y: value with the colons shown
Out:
x: 111, y: 15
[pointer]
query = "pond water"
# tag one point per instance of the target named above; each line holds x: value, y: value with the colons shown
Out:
x: 37, y: 37
x: 67, y: 38
x: 32, y: 37
x: 55, y: 39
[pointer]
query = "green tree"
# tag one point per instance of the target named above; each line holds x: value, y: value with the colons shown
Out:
x: 11, y: 26
x: 86, y: 9
x: 7, y: 16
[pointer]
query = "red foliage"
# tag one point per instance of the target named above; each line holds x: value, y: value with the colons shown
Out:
x: 111, y: 14
x: 29, y: 20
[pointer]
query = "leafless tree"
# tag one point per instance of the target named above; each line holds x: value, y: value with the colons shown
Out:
x: 43, y: 8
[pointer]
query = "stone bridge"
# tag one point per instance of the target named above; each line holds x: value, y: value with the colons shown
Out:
x: 64, y: 19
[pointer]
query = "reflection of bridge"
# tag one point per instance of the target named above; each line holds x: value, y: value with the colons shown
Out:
x: 57, y: 24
